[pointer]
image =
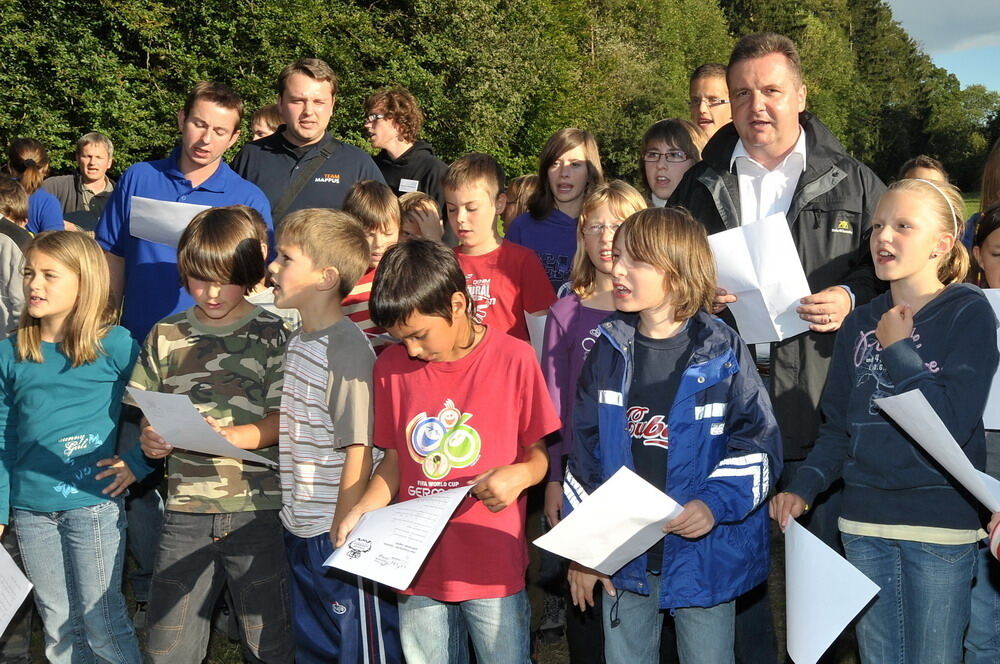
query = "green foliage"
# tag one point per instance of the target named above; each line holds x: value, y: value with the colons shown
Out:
x: 492, y: 75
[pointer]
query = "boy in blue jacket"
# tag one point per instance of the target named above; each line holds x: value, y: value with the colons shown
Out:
x: 672, y: 393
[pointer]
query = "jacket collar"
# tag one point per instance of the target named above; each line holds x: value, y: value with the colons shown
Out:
x: 710, y: 339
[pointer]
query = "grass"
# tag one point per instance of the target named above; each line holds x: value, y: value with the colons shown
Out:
x: 971, y: 203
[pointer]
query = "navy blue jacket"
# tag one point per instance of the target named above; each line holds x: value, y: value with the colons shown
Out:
x: 888, y: 478
x: 725, y: 450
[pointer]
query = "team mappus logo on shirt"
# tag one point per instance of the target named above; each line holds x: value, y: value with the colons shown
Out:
x: 444, y: 441
x: 651, y: 429
x: 333, y: 178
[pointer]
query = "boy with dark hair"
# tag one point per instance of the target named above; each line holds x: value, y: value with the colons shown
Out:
x: 449, y: 365
x: 506, y: 281
x: 709, y: 103
x: 325, y: 440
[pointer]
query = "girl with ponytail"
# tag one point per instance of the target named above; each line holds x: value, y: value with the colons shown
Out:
x: 905, y: 523
x: 28, y: 163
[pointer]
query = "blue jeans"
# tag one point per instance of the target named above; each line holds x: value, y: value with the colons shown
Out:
x: 74, y: 559
x: 144, y: 510
x: 632, y: 624
x: 982, y: 640
x: 435, y: 632
x: 922, y: 608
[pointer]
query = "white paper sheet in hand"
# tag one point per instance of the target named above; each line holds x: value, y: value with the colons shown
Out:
x: 823, y: 593
x: 14, y: 587
x: 389, y: 545
x: 161, y: 221
x: 621, y: 519
x: 176, y: 419
x: 991, y: 416
x: 758, y: 264
x: 536, y: 332
x: 911, y: 411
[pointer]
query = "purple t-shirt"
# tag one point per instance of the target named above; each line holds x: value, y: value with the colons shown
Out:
x: 571, y: 330
x: 552, y: 238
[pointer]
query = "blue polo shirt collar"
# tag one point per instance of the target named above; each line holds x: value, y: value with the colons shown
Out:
x: 216, y: 183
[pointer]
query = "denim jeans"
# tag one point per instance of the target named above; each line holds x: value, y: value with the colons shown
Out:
x: 922, y: 608
x: 632, y: 625
x: 435, y: 632
x: 144, y: 510
x: 199, y: 555
x: 74, y: 558
x: 982, y: 640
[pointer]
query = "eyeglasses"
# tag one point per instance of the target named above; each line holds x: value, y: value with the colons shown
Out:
x: 373, y: 117
x: 672, y: 156
x: 598, y: 229
x: 712, y: 102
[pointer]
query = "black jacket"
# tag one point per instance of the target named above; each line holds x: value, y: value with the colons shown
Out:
x: 830, y: 219
x: 417, y: 164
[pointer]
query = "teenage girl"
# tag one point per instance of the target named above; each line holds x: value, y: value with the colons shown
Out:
x: 28, y: 163
x: 669, y: 149
x: 904, y: 522
x: 570, y: 166
x: 982, y: 640
x: 62, y: 375
x: 989, y: 192
x: 570, y: 332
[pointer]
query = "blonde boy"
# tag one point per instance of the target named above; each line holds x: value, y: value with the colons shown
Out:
x: 325, y: 439
x: 506, y: 281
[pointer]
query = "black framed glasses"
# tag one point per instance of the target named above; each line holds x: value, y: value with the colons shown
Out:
x: 712, y: 102
x: 672, y: 156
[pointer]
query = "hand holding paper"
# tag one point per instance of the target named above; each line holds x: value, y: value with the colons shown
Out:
x: 178, y: 424
x: 617, y: 522
x: 758, y: 263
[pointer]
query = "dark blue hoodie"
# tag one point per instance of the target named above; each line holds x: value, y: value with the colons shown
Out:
x: 951, y: 357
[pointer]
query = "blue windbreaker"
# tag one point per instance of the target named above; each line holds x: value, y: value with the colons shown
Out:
x: 725, y: 450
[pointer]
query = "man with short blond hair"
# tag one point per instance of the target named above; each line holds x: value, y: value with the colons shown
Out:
x: 84, y: 194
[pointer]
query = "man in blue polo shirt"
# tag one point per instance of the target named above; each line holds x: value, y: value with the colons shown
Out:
x: 143, y: 271
x: 148, y: 197
x: 301, y: 165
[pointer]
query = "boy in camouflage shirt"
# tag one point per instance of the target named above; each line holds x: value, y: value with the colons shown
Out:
x: 221, y: 527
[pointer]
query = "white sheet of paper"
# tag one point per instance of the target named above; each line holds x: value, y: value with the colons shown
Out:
x: 536, y: 332
x: 621, y: 519
x: 991, y: 416
x: 911, y: 411
x: 176, y: 419
x: 758, y: 264
x: 14, y: 587
x: 823, y: 593
x: 161, y: 221
x: 389, y: 545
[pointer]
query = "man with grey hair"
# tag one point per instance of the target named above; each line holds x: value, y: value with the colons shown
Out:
x: 84, y: 194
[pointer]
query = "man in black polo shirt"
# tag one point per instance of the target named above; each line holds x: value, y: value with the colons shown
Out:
x: 301, y: 165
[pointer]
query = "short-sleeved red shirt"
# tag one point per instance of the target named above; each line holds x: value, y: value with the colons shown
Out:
x: 505, y: 283
x: 449, y: 422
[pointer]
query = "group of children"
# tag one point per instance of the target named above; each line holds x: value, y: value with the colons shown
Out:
x: 399, y: 367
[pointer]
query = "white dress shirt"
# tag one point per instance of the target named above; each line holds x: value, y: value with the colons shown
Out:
x: 763, y: 191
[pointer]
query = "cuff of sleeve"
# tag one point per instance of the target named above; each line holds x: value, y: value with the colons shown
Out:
x: 850, y: 294
x: 807, y: 484
x: 902, y: 361
x: 137, y: 463
x: 716, y: 505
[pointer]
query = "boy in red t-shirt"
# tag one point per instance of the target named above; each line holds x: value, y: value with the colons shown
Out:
x: 438, y: 419
x: 373, y: 204
x: 505, y: 280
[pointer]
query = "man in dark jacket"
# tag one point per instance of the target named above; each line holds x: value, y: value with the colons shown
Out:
x: 777, y: 158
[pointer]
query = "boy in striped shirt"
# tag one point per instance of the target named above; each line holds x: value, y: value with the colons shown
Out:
x: 325, y: 440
